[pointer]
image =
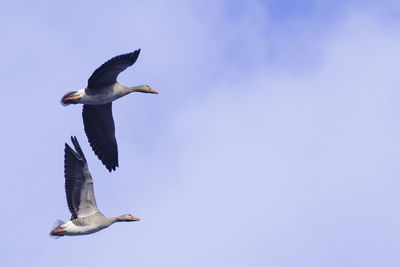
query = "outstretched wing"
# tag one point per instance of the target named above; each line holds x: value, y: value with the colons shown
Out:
x: 100, y: 130
x: 78, y: 182
x: 107, y: 73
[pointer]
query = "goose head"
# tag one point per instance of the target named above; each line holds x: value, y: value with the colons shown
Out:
x: 127, y: 218
x: 143, y: 89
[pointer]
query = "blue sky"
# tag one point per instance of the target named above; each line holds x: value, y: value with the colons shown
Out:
x: 273, y: 141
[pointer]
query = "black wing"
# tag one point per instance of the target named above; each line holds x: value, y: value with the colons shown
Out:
x: 78, y: 182
x: 100, y: 130
x: 107, y: 73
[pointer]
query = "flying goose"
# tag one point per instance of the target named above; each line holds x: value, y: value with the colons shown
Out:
x: 96, y: 98
x: 86, y: 217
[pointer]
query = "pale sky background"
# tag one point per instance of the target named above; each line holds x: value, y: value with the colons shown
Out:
x: 274, y: 140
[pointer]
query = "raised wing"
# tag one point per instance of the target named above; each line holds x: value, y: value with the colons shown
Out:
x: 100, y: 130
x: 78, y: 182
x: 107, y: 73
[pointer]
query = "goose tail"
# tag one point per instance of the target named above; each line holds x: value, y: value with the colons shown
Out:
x: 57, y: 230
x: 70, y: 98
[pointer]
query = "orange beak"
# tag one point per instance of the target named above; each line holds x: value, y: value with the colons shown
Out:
x: 153, y: 91
x: 135, y: 219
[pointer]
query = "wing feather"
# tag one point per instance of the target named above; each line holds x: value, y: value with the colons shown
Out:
x: 107, y: 73
x: 78, y: 182
x: 100, y: 129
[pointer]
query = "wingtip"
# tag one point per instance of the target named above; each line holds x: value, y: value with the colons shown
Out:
x: 110, y: 166
x: 74, y: 140
x: 67, y: 147
x: 110, y: 169
x: 78, y: 149
x: 137, y: 51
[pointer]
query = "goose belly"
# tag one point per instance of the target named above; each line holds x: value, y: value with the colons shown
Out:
x: 98, y: 99
x: 72, y: 229
x: 101, y: 96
